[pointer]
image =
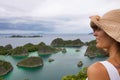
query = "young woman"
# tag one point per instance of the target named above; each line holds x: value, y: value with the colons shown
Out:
x: 107, y: 32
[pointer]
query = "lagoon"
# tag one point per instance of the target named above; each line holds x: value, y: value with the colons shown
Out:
x: 64, y: 64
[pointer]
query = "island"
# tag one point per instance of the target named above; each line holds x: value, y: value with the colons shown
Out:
x: 19, y: 52
x: 31, y: 62
x: 25, y: 36
x: 5, y: 67
x: 59, y: 42
x: 50, y: 60
x: 80, y: 63
x: 92, y: 51
x: 64, y: 50
x: 44, y: 50
x: 4, y: 50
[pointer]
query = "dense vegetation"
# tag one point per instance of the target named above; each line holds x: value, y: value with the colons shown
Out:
x: 1, y: 78
x: 44, y: 49
x: 5, y: 67
x: 82, y: 75
x: 23, y: 50
x: 93, y: 51
x: 59, y: 42
x: 18, y: 51
x: 4, y: 50
x: 31, y: 62
x: 30, y: 47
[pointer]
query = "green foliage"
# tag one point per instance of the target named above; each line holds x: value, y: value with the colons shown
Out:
x: 59, y: 42
x: 43, y: 48
x: 5, y: 65
x: 46, y: 49
x: 82, y: 75
x: 91, y: 43
x: 3, y: 50
x: 30, y: 47
x: 1, y: 78
x: 8, y: 46
x: 92, y: 51
x: 19, y: 51
x: 31, y: 62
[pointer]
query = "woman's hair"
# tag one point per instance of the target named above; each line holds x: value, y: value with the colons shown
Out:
x: 94, y: 26
x: 118, y: 46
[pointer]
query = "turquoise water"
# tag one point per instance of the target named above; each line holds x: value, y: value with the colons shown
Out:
x: 64, y: 64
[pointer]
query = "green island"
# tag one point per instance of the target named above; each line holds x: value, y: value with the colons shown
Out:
x: 21, y: 36
x: 31, y: 62
x: 5, y: 67
x: 44, y: 50
x: 92, y: 51
x: 59, y: 42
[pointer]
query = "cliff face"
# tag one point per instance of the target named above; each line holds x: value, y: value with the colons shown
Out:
x: 92, y: 51
x: 5, y: 67
x: 59, y: 42
x: 31, y: 62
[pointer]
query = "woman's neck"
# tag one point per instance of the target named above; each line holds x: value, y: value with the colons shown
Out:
x: 114, y: 55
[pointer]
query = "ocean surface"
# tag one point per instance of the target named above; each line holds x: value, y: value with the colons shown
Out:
x: 64, y: 64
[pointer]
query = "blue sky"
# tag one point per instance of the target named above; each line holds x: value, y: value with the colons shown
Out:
x: 54, y: 16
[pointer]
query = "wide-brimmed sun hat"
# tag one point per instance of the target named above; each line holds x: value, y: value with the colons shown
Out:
x: 109, y: 23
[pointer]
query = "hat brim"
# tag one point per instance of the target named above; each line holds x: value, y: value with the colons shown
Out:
x: 108, y: 26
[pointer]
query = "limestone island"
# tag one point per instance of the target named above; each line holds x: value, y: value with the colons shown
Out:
x: 5, y: 67
x: 92, y: 51
x: 59, y: 42
x: 50, y: 60
x: 19, y: 52
x: 45, y: 50
x: 4, y: 50
x: 80, y: 63
x: 23, y: 51
x: 25, y: 36
x: 31, y: 62
x: 64, y: 50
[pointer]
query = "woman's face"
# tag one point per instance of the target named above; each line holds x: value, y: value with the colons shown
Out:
x: 102, y: 39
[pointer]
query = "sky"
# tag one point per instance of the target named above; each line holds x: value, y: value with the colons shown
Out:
x: 54, y: 16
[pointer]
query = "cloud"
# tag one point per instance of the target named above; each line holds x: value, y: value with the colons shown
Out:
x: 63, y: 16
x: 54, y: 8
x: 26, y: 24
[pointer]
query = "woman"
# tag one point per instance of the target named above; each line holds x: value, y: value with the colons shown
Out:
x: 107, y: 32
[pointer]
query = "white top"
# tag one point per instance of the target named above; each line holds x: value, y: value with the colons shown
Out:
x: 112, y: 71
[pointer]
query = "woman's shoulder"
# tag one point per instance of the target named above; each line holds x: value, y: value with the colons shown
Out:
x: 97, y: 72
x: 96, y: 68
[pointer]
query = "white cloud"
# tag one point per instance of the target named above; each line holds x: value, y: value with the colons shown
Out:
x: 53, y: 8
x: 76, y: 12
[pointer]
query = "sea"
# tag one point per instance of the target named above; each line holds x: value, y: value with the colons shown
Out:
x: 63, y: 64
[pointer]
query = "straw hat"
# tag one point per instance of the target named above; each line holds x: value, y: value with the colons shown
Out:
x: 109, y: 22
